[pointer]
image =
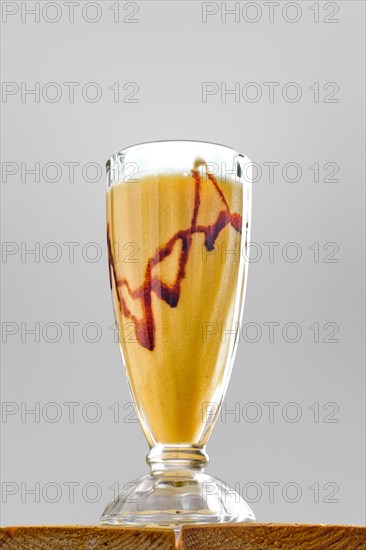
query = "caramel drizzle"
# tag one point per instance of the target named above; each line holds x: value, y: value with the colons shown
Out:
x: 145, y: 327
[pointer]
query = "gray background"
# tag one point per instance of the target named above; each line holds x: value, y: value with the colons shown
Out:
x: 315, y: 465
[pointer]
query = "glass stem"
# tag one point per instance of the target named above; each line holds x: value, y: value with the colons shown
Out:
x: 186, y: 457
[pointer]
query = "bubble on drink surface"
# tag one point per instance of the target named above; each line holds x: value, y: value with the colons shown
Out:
x: 199, y: 161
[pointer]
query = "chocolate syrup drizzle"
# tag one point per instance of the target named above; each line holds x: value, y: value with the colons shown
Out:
x: 145, y: 327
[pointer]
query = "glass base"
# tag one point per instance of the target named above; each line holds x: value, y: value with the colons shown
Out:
x: 174, y: 497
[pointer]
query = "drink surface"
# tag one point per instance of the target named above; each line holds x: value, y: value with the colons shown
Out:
x: 174, y: 258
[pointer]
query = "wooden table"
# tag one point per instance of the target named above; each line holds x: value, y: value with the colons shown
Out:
x: 257, y: 536
x: 272, y: 536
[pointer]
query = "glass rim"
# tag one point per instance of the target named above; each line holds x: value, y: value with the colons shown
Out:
x: 144, y: 143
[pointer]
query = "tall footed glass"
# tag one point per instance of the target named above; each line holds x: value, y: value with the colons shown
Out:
x: 178, y: 222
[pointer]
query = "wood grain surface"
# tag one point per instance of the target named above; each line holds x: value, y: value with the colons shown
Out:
x: 257, y: 536
x: 85, y: 538
x: 265, y: 536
